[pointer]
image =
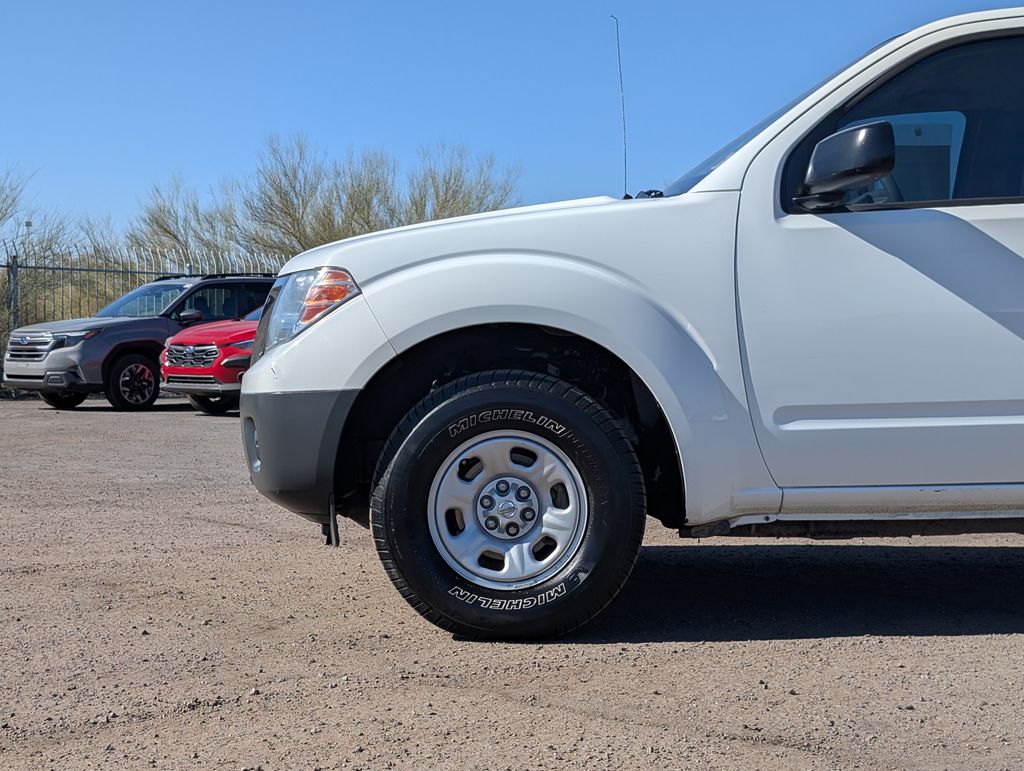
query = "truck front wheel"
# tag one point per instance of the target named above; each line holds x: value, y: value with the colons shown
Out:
x: 508, y: 505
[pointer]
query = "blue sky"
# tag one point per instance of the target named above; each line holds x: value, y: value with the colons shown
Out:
x: 103, y: 99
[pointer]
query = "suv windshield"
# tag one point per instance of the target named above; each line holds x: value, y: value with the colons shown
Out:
x: 148, y: 300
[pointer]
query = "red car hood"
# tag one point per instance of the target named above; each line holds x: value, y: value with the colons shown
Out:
x: 217, y: 333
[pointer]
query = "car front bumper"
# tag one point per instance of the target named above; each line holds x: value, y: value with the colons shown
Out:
x: 50, y: 381
x: 198, y: 386
x: 62, y: 370
x: 291, y: 444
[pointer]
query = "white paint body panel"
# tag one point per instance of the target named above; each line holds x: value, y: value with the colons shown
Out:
x: 652, y: 281
x: 322, y: 359
x: 883, y: 348
x: 869, y: 381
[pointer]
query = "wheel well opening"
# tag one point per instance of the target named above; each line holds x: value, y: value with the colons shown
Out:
x: 151, y: 351
x: 404, y: 381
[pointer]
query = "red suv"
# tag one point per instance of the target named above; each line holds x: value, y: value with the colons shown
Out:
x: 206, y: 362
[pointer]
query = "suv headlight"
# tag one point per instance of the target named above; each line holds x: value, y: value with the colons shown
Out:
x: 298, y: 300
x: 71, y: 339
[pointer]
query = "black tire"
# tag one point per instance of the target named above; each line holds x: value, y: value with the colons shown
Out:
x: 533, y: 405
x: 214, y: 405
x: 133, y: 383
x: 63, y: 401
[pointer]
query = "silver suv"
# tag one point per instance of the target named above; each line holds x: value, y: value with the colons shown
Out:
x: 116, y: 352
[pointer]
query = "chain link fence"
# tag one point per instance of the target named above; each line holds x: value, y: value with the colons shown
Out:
x: 38, y: 285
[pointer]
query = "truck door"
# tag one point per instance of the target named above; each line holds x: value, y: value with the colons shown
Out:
x: 884, y: 342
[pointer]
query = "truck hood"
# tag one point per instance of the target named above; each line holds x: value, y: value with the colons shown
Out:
x: 217, y: 333
x: 348, y: 253
x: 73, y: 325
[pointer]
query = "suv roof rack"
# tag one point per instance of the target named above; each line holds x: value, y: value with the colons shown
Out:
x: 203, y: 276
x: 231, y: 275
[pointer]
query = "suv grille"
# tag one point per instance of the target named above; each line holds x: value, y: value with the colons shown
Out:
x: 191, y: 355
x: 191, y: 379
x: 32, y: 346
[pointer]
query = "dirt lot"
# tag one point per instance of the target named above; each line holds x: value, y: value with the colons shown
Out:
x: 157, y: 612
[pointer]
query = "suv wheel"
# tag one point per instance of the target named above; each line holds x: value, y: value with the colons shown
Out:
x: 509, y: 505
x: 132, y: 383
x: 62, y: 401
x: 214, y: 405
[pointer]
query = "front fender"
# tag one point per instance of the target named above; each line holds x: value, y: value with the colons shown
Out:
x: 723, y: 471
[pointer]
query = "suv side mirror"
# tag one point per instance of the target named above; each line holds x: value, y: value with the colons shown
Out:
x: 847, y: 160
x: 190, y: 317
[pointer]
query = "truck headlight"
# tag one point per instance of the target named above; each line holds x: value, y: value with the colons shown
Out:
x: 298, y: 300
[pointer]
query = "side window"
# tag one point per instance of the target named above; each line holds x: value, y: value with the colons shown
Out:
x: 928, y: 146
x: 218, y: 302
x: 256, y: 294
x: 957, y: 117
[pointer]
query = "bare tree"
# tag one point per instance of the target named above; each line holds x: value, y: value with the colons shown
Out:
x: 450, y: 182
x: 174, y: 220
x: 38, y: 239
x: 97, y: 235
x: 33, y: 233
x: 368, y: 197
x: 297, y: 198
x: 287, y: 206
x: 12, y: 186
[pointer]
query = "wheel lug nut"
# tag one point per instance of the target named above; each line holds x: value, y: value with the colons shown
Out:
x: 487, y: 502
x: 502, y: 487
x: 528, y: 515
x: 523, y: 493
x: 491, y: 523
x: 512, y: 529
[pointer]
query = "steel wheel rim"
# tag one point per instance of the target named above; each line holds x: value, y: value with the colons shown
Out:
x: 493, y: 558
x: 137, y: 383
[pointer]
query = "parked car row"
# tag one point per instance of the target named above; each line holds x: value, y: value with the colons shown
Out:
x: 188, y: 335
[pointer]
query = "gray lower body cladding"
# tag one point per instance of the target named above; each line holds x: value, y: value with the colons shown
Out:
x: 291, y: 444
x: 56, y: 382
x: 61, y: 370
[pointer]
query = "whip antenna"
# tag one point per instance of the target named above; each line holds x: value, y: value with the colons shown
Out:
x: 622, y: 102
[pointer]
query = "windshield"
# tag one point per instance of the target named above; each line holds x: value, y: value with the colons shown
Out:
x: 146, y: 301
x: 690, y: 179
x: 255, y: 314
x: 686, y: 182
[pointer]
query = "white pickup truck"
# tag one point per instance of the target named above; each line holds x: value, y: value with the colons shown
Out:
x: 818, y: 331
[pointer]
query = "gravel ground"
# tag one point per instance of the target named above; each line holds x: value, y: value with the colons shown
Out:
x: 157, y: 612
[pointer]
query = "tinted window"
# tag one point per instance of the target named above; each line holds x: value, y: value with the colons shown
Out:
x: 957, y: 117
x: 257, y: 293
x: 218, y: 302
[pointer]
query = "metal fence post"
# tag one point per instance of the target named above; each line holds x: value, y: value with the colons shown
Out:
x: 12, y: 277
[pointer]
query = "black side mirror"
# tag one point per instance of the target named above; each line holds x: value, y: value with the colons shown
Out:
x: 190, y: 317
x: 847, y: 160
